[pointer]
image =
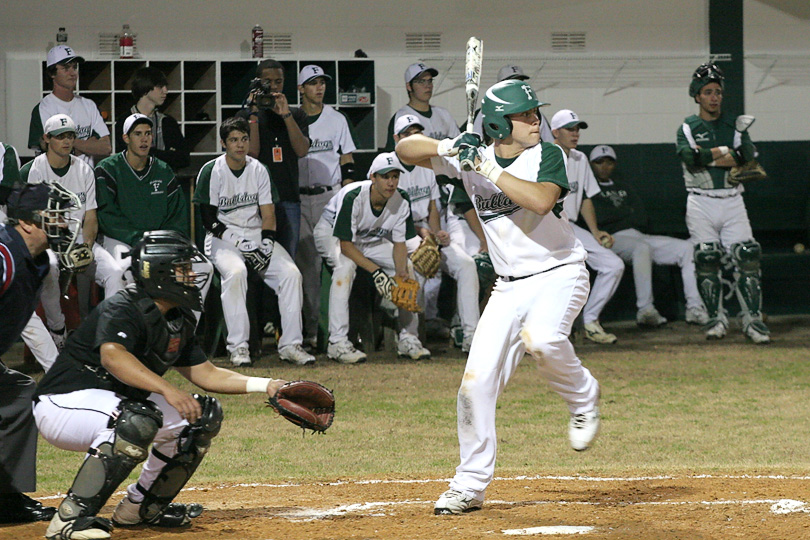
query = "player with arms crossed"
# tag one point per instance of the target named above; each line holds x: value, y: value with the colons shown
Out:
x: 709, y: 144
x: 517, y: 188
x: 106, y: 396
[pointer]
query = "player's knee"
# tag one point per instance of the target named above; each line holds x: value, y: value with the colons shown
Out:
x: 136, y: 427
x: 642, y: 252
x: 747, y: 256
x: 708, y: 257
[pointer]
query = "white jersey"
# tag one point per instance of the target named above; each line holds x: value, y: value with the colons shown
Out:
x: 581, y: 181
x: 82, y: 111
x: 357, y: 222
x: 330, y: 138
x: 237, y: 196
x: 420, y: 185
x: 79, y: 179
x: 330, y: 211
x: 440, y: 125
x: 521, y: 242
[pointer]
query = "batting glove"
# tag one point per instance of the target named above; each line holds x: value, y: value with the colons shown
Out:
x: 451, y: 147
x: 267, y: 246
x: 383, y: 283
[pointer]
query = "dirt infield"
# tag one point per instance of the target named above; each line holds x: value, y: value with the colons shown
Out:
x: 687, y: 507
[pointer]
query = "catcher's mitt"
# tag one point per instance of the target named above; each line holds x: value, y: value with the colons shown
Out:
x: 404, y: 292
x: 747, y: 172
x: 305, y: 403
x: 426, y: 258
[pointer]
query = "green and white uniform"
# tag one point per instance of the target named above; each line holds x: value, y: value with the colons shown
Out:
x: 437, y: 122
x: 238, y: 196
x: 82, y: 111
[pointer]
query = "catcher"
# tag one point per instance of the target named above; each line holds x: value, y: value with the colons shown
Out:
x: 373, y: 224
x: 106, y: 396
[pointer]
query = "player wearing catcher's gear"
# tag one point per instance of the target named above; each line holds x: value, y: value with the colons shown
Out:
x: 566, y: 125
x: 58, y: 165
x: 423, y: 191
x: 436, y: 121
x: 621, y: 213
x: 513, y: 72
x: 92, y: 135
x: 237, y: 204
x: 106, y: 396
x: 137, y: 192
x: 328, y: 165
x: 709, y: 144
x: 36, y: 220
x: 517, y: 186
x: 373, y: 224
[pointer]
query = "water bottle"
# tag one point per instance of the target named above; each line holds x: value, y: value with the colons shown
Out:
x: 61, y: 36
x: 258, y: 42
x: 126, y: 43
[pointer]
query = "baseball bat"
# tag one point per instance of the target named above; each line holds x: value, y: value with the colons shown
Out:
x: 472, y: 81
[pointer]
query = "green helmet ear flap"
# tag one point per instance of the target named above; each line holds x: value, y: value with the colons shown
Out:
x: 502, y: 99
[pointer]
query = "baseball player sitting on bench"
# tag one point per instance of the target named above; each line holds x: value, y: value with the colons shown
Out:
x: 106, y: 396
x: 58, y: 165
x: 620, y: 212
x: 373, y: 224
x: 236, y: 199
x: 565, y: 125
x: 423, y: 191
x: 517, y: 185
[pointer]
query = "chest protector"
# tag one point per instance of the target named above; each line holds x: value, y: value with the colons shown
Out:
x: 166, y: 336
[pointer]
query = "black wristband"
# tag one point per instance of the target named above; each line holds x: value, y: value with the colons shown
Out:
x: 217, y: 228
x: 254, y: 113
x: 285, y: 116
x: 347, y: 171
x: 267, y: 233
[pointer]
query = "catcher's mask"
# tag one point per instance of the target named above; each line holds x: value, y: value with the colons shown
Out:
x: 162, y: 265
x: 49, y: 206
x: 705, y: 74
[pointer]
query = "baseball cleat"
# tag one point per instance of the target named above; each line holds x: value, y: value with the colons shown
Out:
x: 59, y: 338
x: 717, y: 330
x: 80, y: 528
x: 466, y: 345
x: 583, y: 428
x: 650, y: 317
x: 455, y: 502
x: 295, y: 354
x: 127, y: 514
x: 241, y: 357
x: 597, y: 334
x: 409, y: 346
x: 697, y: 315
x: 345, y: 353
x: 757, y: 331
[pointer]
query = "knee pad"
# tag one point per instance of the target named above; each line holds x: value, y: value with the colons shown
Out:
x: 108, y: 465
x: 192, y: 445
x: 746, y: 257
x: 708, y: 262
x: 708, y: 257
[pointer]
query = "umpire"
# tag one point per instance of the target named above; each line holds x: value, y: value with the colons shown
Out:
x: 23, y: 266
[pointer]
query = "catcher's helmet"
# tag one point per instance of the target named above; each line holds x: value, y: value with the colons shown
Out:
x: 162, y: 267
x: 703, y: 75
x: 50, y: 207
x: 504, y: 98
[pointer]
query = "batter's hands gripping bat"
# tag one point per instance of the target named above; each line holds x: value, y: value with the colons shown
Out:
x: 472, y: 81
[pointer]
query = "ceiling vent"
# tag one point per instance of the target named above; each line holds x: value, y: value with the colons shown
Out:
x: 423, y: 41
x: 277, y: 43
x: 568, y: 41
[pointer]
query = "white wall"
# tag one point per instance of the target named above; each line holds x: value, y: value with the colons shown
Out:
x: 624, y: 32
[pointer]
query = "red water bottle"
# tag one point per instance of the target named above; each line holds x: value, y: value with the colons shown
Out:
x: 126, y: 43
x: 258, y: 42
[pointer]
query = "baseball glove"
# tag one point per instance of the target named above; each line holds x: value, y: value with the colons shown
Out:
x: 78, y: 258
x: 486, y: 272
x: 404, y: 292
x: 307, y: 404
x: 426, y: 258
x: 747, y: 172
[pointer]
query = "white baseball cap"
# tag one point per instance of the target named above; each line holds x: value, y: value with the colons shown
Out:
x: 58, y: 124
x: 62, y: 53
x: 384, y: 163
x: 602, y: 151
x: 309, y: 72
x: 511, y: 71
x: 135, y: 119
x: 405, y: 121
x: 567, y: 118
x: 414, y: 70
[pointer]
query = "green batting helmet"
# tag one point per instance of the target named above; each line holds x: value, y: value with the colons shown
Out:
x: 504, y: 98
x: 703, y: 75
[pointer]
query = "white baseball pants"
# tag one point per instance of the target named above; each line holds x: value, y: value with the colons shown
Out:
x: 710, y: 219
x: 609, y: 269
x: 533, y: 315
x: 642, y: 250
x: 78, y: 421
x: 281, y: 275
x: 39, y: 340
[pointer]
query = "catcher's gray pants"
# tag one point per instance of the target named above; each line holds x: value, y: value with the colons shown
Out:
x: 18, y: 433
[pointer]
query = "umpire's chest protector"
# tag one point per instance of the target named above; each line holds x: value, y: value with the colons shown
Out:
x: 166, y: 336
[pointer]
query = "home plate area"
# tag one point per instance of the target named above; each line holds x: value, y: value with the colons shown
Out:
x: 657, y: 507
